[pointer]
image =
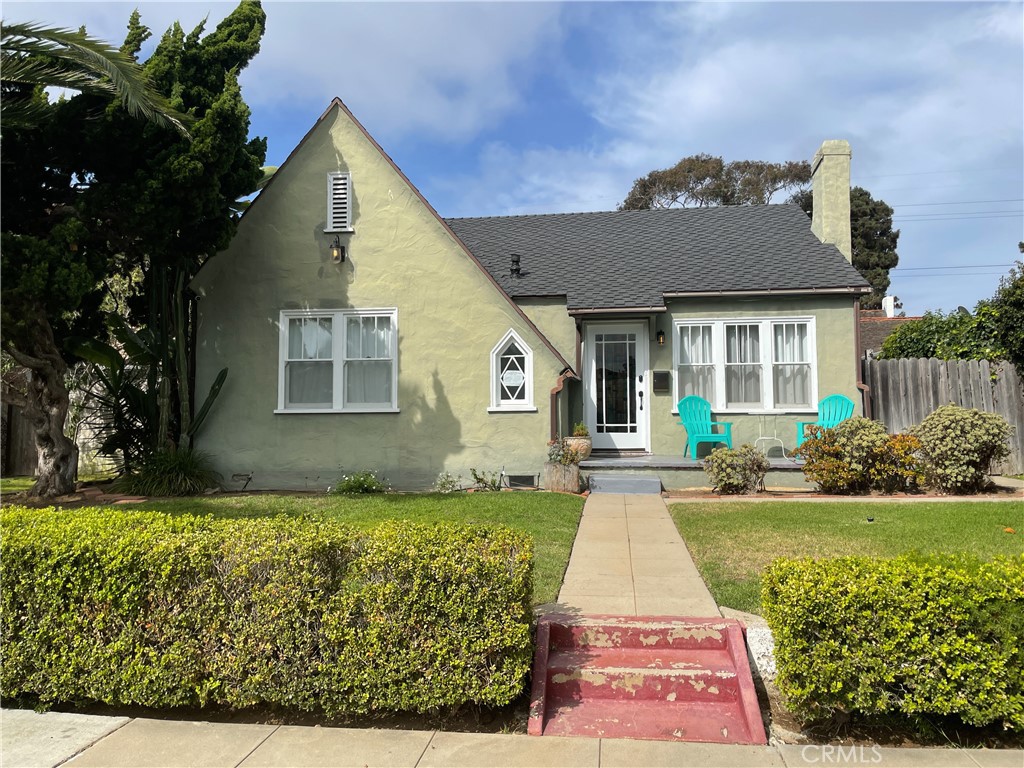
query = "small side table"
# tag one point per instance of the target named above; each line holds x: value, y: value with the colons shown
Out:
x: 762, y: 429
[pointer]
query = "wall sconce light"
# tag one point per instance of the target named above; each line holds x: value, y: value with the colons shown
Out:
x: 337, y: 251
x: 661, y: 338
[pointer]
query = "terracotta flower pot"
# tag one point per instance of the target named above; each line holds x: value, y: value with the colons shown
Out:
x: 582, y: 446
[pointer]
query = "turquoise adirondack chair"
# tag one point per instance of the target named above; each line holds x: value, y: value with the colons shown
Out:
x: 695, y: 416
x: 831, y: 411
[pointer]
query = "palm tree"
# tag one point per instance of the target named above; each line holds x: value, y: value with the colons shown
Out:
x: 33, y: 56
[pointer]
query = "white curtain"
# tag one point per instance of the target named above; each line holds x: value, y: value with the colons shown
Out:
x: 696, y: 362
x: 743, y: 365
x: 791, y: 368
x: 369, y: 359
x: 309, y: 370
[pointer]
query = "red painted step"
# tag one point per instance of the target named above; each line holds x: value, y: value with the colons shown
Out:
x: 634, y: 677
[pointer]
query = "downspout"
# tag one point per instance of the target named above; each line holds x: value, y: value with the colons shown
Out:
x: 559, y: 386
x: 579, y: 346
x: 865, y: 390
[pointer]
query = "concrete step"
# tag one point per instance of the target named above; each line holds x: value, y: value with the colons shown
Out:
x: 635, y: 674
x: 600, y: 631
x: 623, y: 483
x: 644, y: 678
x: 654, y: 720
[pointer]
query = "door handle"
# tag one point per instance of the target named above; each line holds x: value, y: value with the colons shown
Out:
x: 641, y: 393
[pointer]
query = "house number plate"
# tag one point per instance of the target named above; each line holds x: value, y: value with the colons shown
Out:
x: 513, y: 378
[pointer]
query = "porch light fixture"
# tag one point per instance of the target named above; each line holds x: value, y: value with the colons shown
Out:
x: 337, y: 251
x: 661, y: 338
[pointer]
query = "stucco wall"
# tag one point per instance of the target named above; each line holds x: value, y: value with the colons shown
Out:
x: 449, y: 318
x: 837, y: 372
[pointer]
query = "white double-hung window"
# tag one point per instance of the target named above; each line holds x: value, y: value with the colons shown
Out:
x: 763, y: 364
x: 511, y: 375
x: 338, y: 360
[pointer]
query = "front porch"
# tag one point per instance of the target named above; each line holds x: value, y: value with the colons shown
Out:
x: 676, y: 472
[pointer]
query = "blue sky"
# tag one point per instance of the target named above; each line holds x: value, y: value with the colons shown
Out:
x: 524, y: 107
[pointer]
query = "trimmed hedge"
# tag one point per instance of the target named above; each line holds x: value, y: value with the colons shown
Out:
x: 143, y: 608
x: 912, y: 636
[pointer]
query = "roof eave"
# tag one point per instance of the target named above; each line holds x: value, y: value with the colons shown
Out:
x: 615, y: 310
x: 855, y: 290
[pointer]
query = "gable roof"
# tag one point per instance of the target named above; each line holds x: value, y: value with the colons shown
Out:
x: 621, y: 260
x: 338, y: 105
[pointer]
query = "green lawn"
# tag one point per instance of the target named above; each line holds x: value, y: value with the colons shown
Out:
x: 550, y: 518
x: 16, y: 484
x: 732, y: 542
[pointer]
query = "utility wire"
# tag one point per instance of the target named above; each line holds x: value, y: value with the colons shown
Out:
x: 954, y: 266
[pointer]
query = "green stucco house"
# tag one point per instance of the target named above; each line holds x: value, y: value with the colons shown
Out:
x: 363, y: 331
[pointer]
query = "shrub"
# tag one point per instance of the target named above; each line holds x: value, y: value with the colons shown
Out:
x: 138, y: 608
x: 896, y: 465
x: 912, y: 636
x: 560, y: 452
x: 366, y: 481
x: 448, y: 483
x: 959, y: 446
x: 839, y: 459
x: 737, y: 471
x: 487, y: 481
x: 171, y: 473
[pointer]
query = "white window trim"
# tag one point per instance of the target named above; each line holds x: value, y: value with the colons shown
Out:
x: 497, y: 406
x: 338, y: 317
x: 332, y: 224
x: 767, y: 361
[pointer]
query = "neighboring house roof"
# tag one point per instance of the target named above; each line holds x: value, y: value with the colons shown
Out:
x: 636, y: 259
x: 875, y: 328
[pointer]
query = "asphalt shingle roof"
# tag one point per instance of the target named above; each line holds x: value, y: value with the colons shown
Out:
x: 624, y: 259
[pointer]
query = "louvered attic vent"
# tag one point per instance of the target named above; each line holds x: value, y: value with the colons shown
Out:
x: 339, y: 196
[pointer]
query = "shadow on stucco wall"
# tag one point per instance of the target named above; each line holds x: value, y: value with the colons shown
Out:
x: 431, y: 436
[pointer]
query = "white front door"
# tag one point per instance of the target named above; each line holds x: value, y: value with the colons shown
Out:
x: 617, y: 401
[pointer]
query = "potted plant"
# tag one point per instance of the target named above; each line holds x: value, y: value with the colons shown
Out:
x: 562, y: 469
x: 580, y: 442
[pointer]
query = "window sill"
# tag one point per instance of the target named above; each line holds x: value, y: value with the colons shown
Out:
x: 289, y: 411
x: 512, y: 409
x: 338, y: 231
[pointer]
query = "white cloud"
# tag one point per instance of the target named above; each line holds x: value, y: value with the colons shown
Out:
x: 445, y: 69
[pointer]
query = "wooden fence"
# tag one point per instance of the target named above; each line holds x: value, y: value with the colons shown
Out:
x: 904, y: 391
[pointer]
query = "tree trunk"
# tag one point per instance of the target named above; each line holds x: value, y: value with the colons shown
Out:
x: 45, y: 402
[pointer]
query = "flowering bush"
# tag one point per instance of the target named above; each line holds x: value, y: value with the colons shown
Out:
x: 840, y: 459
x: 897, y: 466
x: 448, y: 483
x: 737, y: 471
x: 366, y: 481
x: 959, y: 446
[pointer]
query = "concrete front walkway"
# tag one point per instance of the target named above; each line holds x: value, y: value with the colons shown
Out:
x: 629, y: 560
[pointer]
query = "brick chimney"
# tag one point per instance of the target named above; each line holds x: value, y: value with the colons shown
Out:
x: 830, y: 185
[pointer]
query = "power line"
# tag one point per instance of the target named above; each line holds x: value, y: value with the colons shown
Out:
x: 958, y: 274
x: 953, y: 266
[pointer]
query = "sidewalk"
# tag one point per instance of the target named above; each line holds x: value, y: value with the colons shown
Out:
x: 47, y: 740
